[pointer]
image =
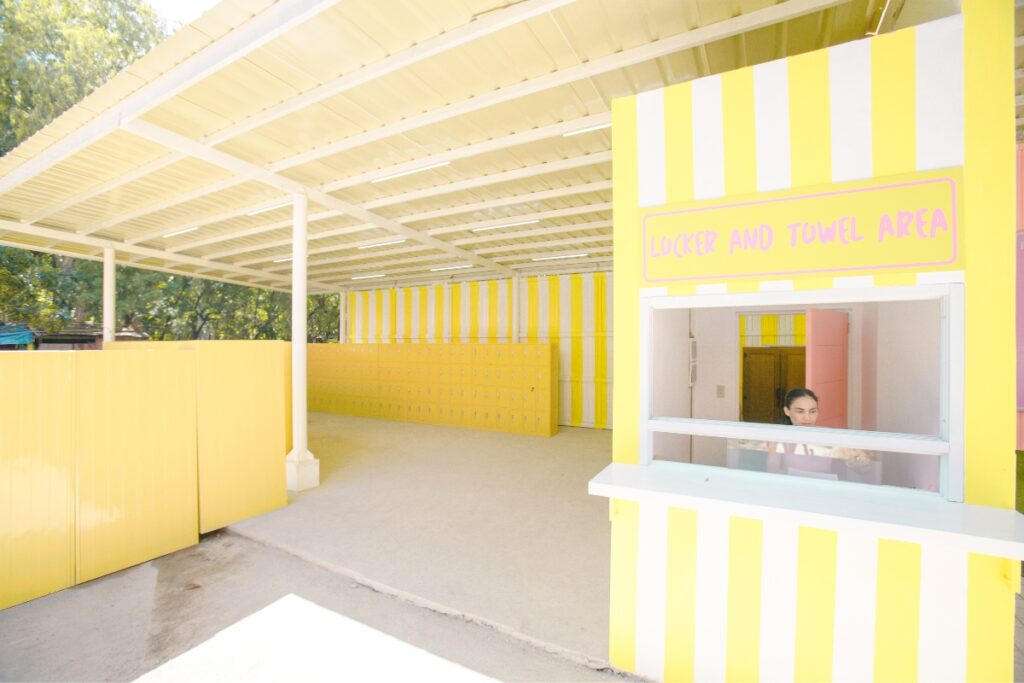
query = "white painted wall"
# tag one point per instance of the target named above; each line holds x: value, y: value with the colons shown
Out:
x: 670, y: 379
x: 907, y: 398
x: 718, y: 371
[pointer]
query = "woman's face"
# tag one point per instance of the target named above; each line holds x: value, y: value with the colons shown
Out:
x: 803, y: 412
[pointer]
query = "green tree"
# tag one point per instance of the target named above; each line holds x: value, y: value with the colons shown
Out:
x: 55, y: 52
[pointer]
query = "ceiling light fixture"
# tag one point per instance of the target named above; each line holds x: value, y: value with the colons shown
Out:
x: 367, y: 277
x: 181, y: 232
x: 268, y: 208
x: 282, y: 260
x: 555, y: 258
x: 438, y: 270
x: 505, y: 225
x: 410, y: 172
x: 381, y: 244
x: 600, y: 126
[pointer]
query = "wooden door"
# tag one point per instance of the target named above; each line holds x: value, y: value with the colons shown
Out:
x: 827, y: 333
x: 768, y: 373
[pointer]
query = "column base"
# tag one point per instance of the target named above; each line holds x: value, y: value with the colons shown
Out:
x: 302, y: 471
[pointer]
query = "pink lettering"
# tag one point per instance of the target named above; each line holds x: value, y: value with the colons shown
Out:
x: 903, y: 219
x: 921, y: 223
x: 939, y: 221
x: 885, y: 228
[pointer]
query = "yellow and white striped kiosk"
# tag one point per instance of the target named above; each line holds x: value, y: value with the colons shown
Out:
x: 871, y: 174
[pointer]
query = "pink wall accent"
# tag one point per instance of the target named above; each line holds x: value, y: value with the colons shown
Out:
x: 1020, y: 188
x: 827, y: 360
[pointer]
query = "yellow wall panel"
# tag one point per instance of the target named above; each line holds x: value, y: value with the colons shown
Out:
x: 681, y: 595
x: 811, y: 144
x: 625, y: 516
x: 816, y: 602
x: 135, y: 445
x: 897, y: 609
x: 743, y: 637
x: 37, y: 515
x: 893, y: 104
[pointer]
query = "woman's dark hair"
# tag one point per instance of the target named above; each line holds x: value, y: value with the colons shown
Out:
x: 792, y: 395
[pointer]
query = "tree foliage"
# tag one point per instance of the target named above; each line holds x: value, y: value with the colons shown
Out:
x: 55, y: 52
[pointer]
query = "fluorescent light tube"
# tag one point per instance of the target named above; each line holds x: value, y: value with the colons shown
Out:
x: 181, y: 232
x: 282, y: 260
x: 555, y: 258
x: 366, y: 277
x: 269, y: 208
x: 438, y: 270
x: 505, y: 225
x: 410, y: 172
x: 381, y: 244
x: 599, y: 126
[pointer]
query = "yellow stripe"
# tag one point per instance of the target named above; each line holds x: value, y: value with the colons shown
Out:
x: 769, y: 330
x: 810, y: 146
x: 738, y: 132
x: 893, y: 113
x: 456, y: 316
x: 743, y: 645
x: 576, y: 317
x: 897, y: 611
x: 554, y: 310
x: 351, y: 314
x: 364, y: 329
x: 492, y: 309
x: 438, y: 313
x: 378, y: 302
x: 393, y: 313
x: 511, y: 287
x: 679, y: 143
x: 424, y: 298
x: 622, y: 601
x: 743, y: 343
x: 407, y: 322
x: 532, y: 301
x: 815, y: 605
x: 600, y: 351
x: 990, y: 617
x: 474, y: 311
x: 626, y: 266
x: 800, y: 329
x: 681, y: 595
x: 989, y: 200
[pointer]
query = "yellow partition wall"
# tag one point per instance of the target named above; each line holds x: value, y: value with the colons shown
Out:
x: 928, y: 102
x: 500, y: 387
x: 243, y: 415
x: 135, y: 449
x: 37, y: 476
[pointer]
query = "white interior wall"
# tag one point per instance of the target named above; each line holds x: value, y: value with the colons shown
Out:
x: 907, y: 396
x: 670, y: 359
x: 716, y: 392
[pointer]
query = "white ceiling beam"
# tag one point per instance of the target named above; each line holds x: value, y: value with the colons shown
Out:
x: 276, y: 20
x: 334, y: 232
x: 235, y: 165
x: 364, y: 246
x: 416, y: 255
x: 768, y: 16
x: 59, y: 236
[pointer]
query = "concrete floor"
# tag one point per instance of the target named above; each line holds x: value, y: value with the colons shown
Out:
x: 481, y: 548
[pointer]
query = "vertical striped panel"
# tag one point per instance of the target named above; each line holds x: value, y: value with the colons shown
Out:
x: 493, y: 303
x: 601, y: 351
x: 652, y: 564
x: 856, y: 573
x: 554, y: 300
x: 443, y: 313
x: 708, y: 143
x: 744, y: 607
x: 769, y: 330
x: 942, y: 650
x: 650, y: 114
x: 712, y: 595
x: 623, y: 578
x: 576, y: 332
x: 543, y: 306
x: 800, y: 329
x: 378, y: 307
x: 779, y: 555
x: 738, y: 134
x: 898, y: 608
x: 990, y: 617
x: 849, y: 93
x: 588, y: 314
x: 815, y: 605
x: 408, y: 332
x: 810, y: 155
x: 678, y: 143
x: 939, y: 100
x: 893, y: 104
x: 681, y: 595
x: 508, y: 290
x: 353, y: 316
x: 474, y: 311
x: 532, y: 309
x: 428, y: 306
x: 771, y: 125
x: 364, y: 318
x: 565, y: 345
x: 455, y: 318
x: 393, y: 317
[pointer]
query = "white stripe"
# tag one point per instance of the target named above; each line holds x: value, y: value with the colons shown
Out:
x: 565, y: 345
x: 431, y: 332
x: 504, y: 324
x: 939, y: 103
x: 400, y: 332
x: 849, y: 78
x: 589, y: 368
x: 357, y: 323
x: 778, y: 600
x: 854, y: 281
x: 942, y: 638
x: 714, y: 288
x: 650, y: 147
x: 485, y: 310
x: 853, y: 649
x: 371, y: 334
x: 447, y: 312
x: 785, y: 330
x: 708, y: 145
x: 416, y: 333
x: 712, y: 595
x: 652, y: 565
x: 776, y: 286
x: 771, y: 124
x: 542, y: 307
x: 388, y: 300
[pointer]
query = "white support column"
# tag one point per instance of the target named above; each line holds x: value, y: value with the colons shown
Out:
x: 109, y: 295
x: 343, y: 317
x: 515, y: 309
x: 303, y: 470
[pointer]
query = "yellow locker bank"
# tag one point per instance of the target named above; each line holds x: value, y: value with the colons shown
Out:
x: 870, y: 185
